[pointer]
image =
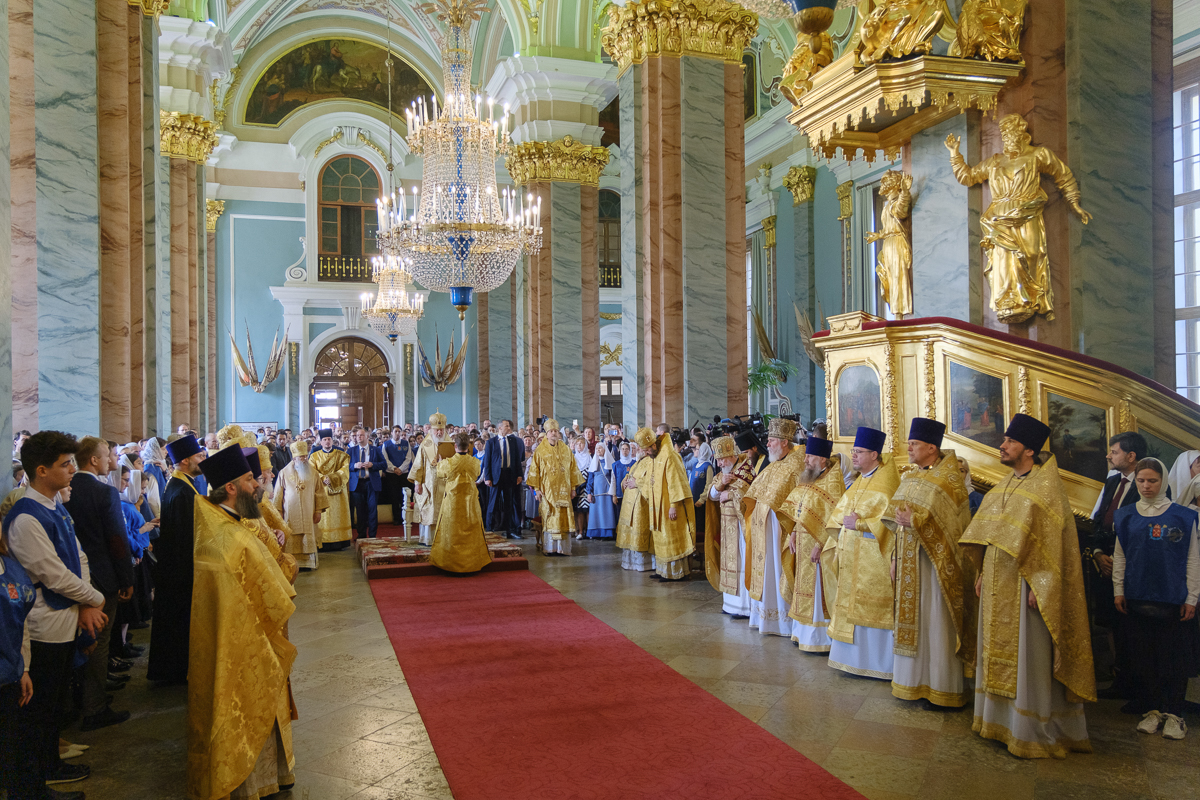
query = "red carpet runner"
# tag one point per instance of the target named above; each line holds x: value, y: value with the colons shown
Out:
x: 526, y: 695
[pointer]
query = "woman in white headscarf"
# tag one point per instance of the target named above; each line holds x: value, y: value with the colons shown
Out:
x: 1184, y: 479
x: 149, y: 500
x: 154, y: 461
x: 1156, y: 582
x: 602, y: 502
x: 583, y: 459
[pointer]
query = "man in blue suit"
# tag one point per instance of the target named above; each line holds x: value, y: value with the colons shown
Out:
x: 366, y: 483
x: 504, y: 472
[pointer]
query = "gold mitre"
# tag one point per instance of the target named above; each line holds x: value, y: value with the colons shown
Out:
x: 264, y: 459
x: 299, y: 448
x: 724, y: 447
x: 551, y: 425
x: 644, y: 438
x: 781, y: 428
x: 437, y: 419
x: 230, y: 433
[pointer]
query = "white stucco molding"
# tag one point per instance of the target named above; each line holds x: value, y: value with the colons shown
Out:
x: 521, y: 80
x: 191, y: 55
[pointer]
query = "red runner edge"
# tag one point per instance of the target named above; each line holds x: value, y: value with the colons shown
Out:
x: 526, y: 695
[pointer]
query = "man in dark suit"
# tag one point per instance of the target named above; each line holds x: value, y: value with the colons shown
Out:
x: 283, y: 454
x: 1124, y: 452
x: 95, y: 508
x: 504, y: 472
x: 398, y: 455
x: 366, y: 483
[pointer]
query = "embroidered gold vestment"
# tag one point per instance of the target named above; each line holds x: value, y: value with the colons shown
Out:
x: 863, y: 565
x: 633, y: 526
x: 424, y: 471
x: 555, y: 474
x: 768, y: 492
x: 808, y: 506
x: 335, y: 465
x: 264, y: 529
x: 721, y: 520
x: 459, y: 544
x: 673, y: 538
x: 297, y: 500
x: 1028, y: 529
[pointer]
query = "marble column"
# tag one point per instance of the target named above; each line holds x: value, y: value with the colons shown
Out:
x: 566, y: 324
x: 629, y: 86
x: 23, y: 193
x: 6, y: 304
x: 212, y: 384
x: 737, y: 356
x: 483, y: 357
x: 182, y: 172
x: 194, y: 288
x: 496, y: 401
x: 160, y: 292
x: 520, y: 343
x: 156, y: 352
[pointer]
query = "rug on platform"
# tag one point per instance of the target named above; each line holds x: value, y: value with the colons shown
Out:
x: 526, y: 695
x: 372, y: 552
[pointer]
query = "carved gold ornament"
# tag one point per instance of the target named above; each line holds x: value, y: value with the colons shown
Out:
x: 608, y: 315
x: 845, y: 193
x: 800, y: 181
x: 362, y: 137
x: 565, y: 160
x: 213, y: 209
x: 930, y: 382
x: 803, y: 64
x: 610, y: 355
x: 900, y: 28
x: 706, y: 28
x: 990, y: 29
x: 151, y: 8
x: 894, y: 265
x: 337, y: 134
x: 769, y: 230
x: 186, y: 136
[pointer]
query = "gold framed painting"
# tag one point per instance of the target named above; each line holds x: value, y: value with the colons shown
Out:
x: 858, y: 399
x: 976, y: 404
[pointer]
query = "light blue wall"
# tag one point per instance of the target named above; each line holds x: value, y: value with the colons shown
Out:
x: 442, y: 319
x: 255, y: 252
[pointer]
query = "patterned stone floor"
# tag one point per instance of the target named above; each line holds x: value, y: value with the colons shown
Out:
x: 360, y: 736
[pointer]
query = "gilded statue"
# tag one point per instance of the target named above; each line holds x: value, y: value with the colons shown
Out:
x: 899, y: 28
x: 804, y: 63
x: 1014, y: 231
x: 894, y: 266
x: 990, y: 29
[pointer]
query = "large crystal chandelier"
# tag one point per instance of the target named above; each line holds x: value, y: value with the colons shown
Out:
x: 460, y: 233
x: 395, y: 310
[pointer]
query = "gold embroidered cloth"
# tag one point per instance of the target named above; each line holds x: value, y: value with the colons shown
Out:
x: 335, y: 522
x: 1030, y: 521
x: 862, y: 565
x: 808, y: 506
x: 673, y: 538
x: 264, y: 529
x: 458, y: 543
x: 297, y: 500
x: 937, y: 498
x: 423, y: 471
x: 633, y: 526
x: 239, y: 659
x: 554, y: 473
x: 767, y: 494
x: 722, y: 525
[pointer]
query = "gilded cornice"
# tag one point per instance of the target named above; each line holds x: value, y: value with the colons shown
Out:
x: 151, y: 8
x: 565, y: 160
x: 186, y: 136
x: 769, y: 229
x: 213, y: 209
x: 706, y: 28
x: 800, y: 181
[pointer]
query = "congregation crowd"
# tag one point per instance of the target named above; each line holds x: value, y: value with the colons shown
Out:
x: 899, y: 572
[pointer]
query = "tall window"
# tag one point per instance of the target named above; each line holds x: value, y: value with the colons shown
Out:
x: 608, y: 234
x: 1187, y: 236
x: 349, y: 221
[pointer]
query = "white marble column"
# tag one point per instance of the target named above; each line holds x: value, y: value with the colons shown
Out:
x: 629, y: 85
x: 566, y: 301
x: 6, y: 384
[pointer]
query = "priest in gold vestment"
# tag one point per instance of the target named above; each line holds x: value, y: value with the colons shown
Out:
x: 1034, y: 668
x: 458, y: 542
x: 553, y: 475
x: 333, y: 470
x: 806, y: 576
x: 934, y: 630
x: 427, y: 488
x: 633, y: 524
x: 268, y: 527
x: 672, y: 510
x: 862, y: 620
x: 301, y: 498
x: 767, y: 529
x: 724, y: 529
x: 239, y: 736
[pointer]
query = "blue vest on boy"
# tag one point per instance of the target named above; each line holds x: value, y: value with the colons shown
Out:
x: 61, y: 530
x: 15, y: 602
x: 1156, y: 551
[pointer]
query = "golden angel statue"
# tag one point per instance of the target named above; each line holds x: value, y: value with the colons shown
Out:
x: 899, y: 28
x: 894, y: 266
x: 990, y: 29
x: 1014, y: 232
x: 812, y: 53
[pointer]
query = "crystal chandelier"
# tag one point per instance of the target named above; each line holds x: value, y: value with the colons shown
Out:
x: 395, y: 310
x: 461, y: 233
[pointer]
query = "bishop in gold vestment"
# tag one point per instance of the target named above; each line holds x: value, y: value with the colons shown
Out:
x: 333, y: 470
x: 767, y: 529
x: 239, y: 741
x: 633, y: 525
x: 427, y: 488
x: 1034, y: 668
x: 672, y: 513
x: 554, y: 474
x: 724, y: 529
x: 935, y: 640
x: 806, y: 575
x: 861, y: 624
x: 300, y: 496
x: 458, y: 543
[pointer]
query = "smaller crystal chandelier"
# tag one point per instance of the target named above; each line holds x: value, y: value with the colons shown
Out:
x: 395, y: 311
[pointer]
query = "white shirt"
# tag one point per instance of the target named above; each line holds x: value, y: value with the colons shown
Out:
x: 31, y: 546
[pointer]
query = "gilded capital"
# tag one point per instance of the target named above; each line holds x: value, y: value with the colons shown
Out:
x: 769, y: 230
x: 213, y: 209
x: 186, y: 136
x: 801, y: 182
x: 845, y: 193
x: 707, y: 28
x: 151, y: 8
x: 565, y: 160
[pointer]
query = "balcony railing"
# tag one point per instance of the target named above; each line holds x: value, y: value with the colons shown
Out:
x: 610, y: 276
x: 344, y: 269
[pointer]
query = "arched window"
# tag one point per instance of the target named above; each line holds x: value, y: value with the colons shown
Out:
x: 350, y: 385
x: 608, y: 234
x: 348, y: 191
x: 351, y: 358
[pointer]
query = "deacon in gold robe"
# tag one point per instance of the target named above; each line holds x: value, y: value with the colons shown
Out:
x: 767, y: 529
x: 935, y: 637
x: 1034, y: 669
x: 553, y: 476
x: 301, y: 498
x: 724, y: 531
x: 806, y: 575
x: 633, y: 524
x: 672, y: 510
x: 239, y: 737
x: 333, y: 471
x: 862, y: 620
x: 458, y: 543
x: 427, y: 488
